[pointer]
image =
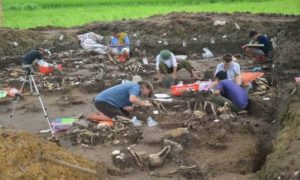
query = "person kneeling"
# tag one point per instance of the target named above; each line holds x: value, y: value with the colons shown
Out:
x: 228, y: 91
x: 166, y: 63
x: 259, y: 46
x: 118, y: 100
x: 120, y: 44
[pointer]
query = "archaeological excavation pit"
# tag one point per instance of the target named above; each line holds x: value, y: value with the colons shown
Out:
x: 194, y: 138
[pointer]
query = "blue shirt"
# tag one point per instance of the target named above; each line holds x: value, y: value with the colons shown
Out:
x: 262, y: 39
x: 115, y: 42
x: 234, y: 93
x: 31, y: 56
x: 233, y: 70
x: 118, y: 96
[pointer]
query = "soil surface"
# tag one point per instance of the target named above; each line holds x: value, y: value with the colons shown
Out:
x: 24, y: 156
x: 203, y: 145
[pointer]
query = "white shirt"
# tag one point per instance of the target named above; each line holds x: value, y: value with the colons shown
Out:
x: 170, y: 62
x: 233, y: 70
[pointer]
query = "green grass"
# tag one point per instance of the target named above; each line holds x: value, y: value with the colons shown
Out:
x: 21, y: 4
x: 33, y: 13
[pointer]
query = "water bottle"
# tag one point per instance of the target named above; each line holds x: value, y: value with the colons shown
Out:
x: 151, y: 122
x: 136, y: 122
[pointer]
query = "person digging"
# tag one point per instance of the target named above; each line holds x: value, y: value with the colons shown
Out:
x: 228, y: 91
x: 119, y: 100
x: 259, y: 46
x: 36, y: 57
x: 120, y: 45
x: 166, y: 63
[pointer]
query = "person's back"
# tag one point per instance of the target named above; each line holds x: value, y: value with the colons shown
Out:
x: 254, y: 49
x: 118, y: 96
x: 262, y: 39
x: 233, y: 92
x: 31, y: 56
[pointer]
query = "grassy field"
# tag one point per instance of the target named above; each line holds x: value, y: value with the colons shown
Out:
x: 33, y: 13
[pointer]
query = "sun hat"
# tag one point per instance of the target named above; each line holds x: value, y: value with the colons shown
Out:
x: 165, y: 54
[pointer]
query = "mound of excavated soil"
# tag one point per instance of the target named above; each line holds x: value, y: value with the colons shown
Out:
x: 20, y: 157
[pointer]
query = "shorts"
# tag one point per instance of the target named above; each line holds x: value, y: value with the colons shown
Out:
x: 109, y: 110
x: 258, y: 52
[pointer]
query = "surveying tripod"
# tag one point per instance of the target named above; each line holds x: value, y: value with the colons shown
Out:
x: 33, y: 90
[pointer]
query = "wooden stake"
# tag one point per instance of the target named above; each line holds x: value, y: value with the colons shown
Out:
x: 69, y: 165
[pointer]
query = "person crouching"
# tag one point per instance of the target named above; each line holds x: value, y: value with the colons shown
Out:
x: 118, y: 100
x: 228, y: 91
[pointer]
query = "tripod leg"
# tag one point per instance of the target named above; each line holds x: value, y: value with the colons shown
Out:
x: 41, y: 101
x: 30, y: 84
x: 18, y: 97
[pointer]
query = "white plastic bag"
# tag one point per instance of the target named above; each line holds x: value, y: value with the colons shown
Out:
x: 219, y: 23
x: 208, y: 53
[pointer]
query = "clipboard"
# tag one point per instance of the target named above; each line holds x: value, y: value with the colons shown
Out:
x: 255, y: 45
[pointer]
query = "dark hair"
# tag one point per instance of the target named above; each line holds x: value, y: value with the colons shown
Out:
x: 227, y: 58
x: 252, y: 33
x: 147, y: 85
x: 221, y: 75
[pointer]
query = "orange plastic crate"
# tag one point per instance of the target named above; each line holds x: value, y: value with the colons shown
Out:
x: 46, y: 70
x: 177, y: 90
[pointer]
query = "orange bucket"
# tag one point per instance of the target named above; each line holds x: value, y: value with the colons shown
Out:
x: 46, y: 70
x: 177, y: 90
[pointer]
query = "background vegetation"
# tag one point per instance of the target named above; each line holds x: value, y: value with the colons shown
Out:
x: 66, y: 13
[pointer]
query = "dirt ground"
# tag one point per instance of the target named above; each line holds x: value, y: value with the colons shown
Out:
x: 24, y: 156
x: 222, y: 147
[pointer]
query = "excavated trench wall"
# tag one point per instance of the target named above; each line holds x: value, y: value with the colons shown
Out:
x: 198, y: 30
x: 284, y: 161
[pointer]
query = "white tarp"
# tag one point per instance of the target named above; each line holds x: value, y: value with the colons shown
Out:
x: 90, y: 42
